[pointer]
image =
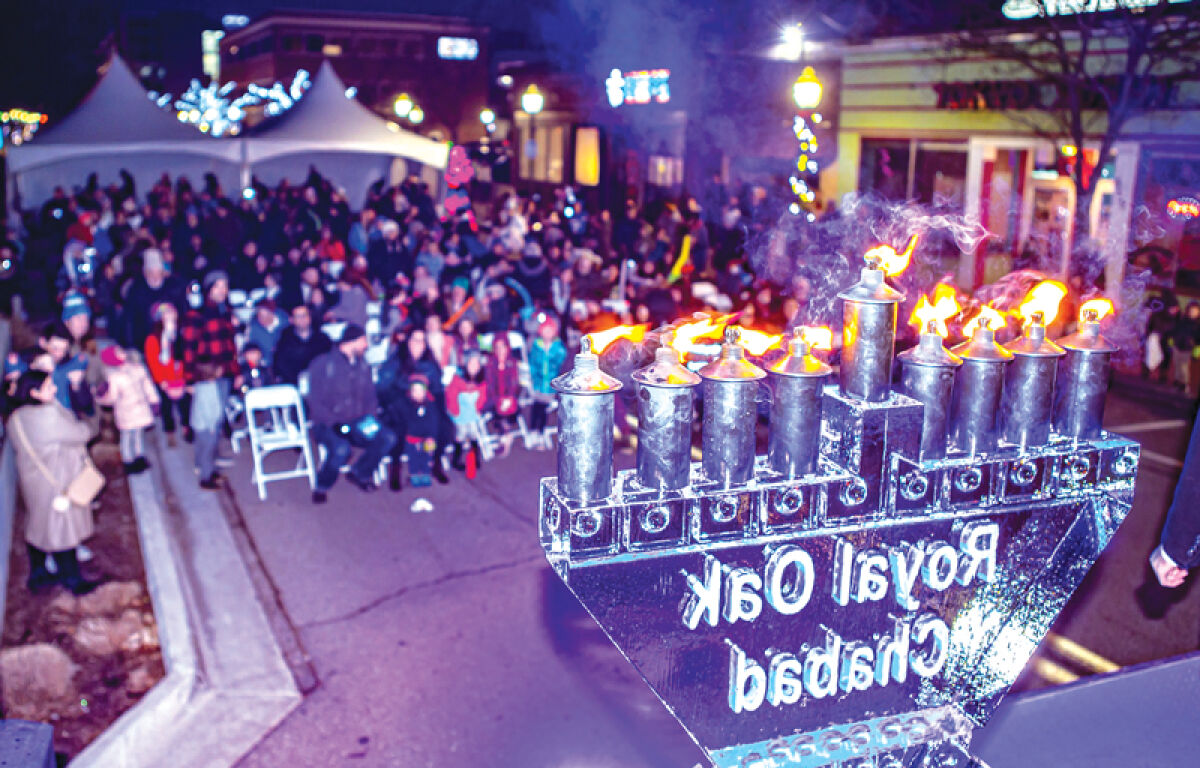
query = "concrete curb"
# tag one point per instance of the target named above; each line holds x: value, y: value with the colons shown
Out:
x: 8, y: 505
x: 227, y: 684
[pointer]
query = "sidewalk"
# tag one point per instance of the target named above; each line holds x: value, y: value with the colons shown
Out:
x: 442, y: 639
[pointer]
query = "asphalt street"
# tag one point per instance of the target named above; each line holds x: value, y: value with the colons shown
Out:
x: 444, y: 639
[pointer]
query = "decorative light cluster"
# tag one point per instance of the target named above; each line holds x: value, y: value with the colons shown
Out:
x: 17, y: 126
x: 805, y: 163
x: 407, y: 109
x: 214, y: 109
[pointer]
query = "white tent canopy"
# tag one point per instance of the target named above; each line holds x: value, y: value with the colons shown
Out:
x: 342, y: 139
x: 117, y: 126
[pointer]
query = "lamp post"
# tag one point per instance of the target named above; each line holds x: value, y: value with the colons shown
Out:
x: 806, y: 91
x: 532, y: 100
x: 403, y: 105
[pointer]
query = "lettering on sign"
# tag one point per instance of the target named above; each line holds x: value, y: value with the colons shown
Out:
x: 998, y: 95
x: 788, y: 583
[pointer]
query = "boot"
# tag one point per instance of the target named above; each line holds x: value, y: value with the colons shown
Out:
x: 457, y: 461
x: 395, y: 478
x: 39, y: 577
x: 70, y: 576
x: 472, y: 460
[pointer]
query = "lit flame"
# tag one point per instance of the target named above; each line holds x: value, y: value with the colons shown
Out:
x: 688, y: 334
x: 1045, y: 298
x: 817, y: 337
x: 1101, y: 307
x: 890, y: 262
x: 993, y: 319
x: 943, y: 307
x: 757, y: 343
x: 601, y: 339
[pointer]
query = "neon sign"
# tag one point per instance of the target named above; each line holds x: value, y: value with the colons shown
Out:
x: 458, y: 48
x: 1184, y: 208
x: 641, y: 87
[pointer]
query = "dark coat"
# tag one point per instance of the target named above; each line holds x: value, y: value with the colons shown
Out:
x: 1181, y: 532
x: 293, y: 354
x: 340, y: 391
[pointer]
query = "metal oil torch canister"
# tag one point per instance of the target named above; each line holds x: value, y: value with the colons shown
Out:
x: 586, y: 399
x: 797, y: 381
x: 1083, y: 375
x: 975, y: 404
x: 730, y: 413
x: 1025, y: 407
x: 664, y: 400
x: 927, y: 375
x: 868, y: 335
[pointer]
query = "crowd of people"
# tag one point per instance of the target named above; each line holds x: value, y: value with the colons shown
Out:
x: 135, y: 292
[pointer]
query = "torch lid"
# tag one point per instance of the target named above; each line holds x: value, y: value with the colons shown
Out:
x: 732, y: 365
x: 799, y: 361
x: 982, y: 347
x: 1033, y: 343
x: 930, y: 352
x: 872, y: 288
x: 586, y: 378
x: 1088, y: 339
x: 666, y: 370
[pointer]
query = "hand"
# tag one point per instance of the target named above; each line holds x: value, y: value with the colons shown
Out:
x: 1169, y: 574
x: 238, y: 381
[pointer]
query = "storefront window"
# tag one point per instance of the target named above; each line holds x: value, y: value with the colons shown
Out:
x: 940, y: 176
x: 542, y: 153
x: 1172, y: 207
x: 884, y: 168
x: 933, y: 173
x: 664, y: 171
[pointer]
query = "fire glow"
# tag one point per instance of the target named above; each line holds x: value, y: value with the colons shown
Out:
x: 817, y: 337
x: 988, y: 318
x: 890, y: 262
x: 943, y: 307
x: 758, y: 343
x: 1045, y: 298
x: 1101, y: 308
x: 601, y: 339
x: 688, y: 335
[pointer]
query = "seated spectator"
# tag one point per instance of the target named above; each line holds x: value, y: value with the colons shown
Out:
x: 329, y: 248
x: 411, y: 357
x: 266, y: 328
x: 342, y: 404
x: 255, y: 371
x: 299, y: 344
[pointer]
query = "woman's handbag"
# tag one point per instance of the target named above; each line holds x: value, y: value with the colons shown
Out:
x: 83, y: 488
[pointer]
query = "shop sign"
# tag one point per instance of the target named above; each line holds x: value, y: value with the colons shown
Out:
x: 458, y: 48
x: 1028, y: 9
x: 641, y: 87
x: 1031, y: 94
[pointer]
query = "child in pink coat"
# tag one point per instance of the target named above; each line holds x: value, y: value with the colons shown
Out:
x: 134, y: 400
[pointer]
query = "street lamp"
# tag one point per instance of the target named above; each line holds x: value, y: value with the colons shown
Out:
x: 806, y: 91
x: 416, y: 115
x: 404, y: 105
x: 532, y: 100
x: 487, y: 116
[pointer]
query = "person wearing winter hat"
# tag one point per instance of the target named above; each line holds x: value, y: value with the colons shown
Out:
x: 77, y: 314
x: 422, y: 419
x: 153, y: 286
x: 135, y: 403
x: 546, y: 356
x: 342, y: 405
x: 210, y: 365
x: 164, y: 357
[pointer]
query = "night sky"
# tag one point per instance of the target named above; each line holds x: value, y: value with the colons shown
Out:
x: 50, y: 49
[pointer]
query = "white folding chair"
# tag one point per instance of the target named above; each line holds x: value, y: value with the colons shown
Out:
x: 284, y: 427
x: 237, y: 297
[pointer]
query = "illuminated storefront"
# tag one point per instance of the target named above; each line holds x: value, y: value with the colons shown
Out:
x: 966, y: 134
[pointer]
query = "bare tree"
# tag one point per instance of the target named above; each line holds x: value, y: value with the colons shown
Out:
x: 1098, y: 65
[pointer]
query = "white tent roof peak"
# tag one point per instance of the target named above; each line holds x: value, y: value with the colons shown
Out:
x: 324, y: 119
x: 117, y: 109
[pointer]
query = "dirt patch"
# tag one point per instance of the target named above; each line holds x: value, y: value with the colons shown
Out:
x: 99, y: 653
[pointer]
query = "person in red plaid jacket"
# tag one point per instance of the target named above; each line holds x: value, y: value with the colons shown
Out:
x: 210, y: 365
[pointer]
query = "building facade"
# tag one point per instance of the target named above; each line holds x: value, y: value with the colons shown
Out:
x: 440, y: 64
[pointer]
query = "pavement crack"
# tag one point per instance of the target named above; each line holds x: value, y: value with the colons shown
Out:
x: 443, y: 579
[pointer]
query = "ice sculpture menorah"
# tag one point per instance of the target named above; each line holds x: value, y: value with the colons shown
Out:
x: 866, y: 592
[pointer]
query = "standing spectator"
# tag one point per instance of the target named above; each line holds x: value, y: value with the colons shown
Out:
x: 134, y: 401
x: 422, y: 419
x: 153, y: 287
x: 466, y: 400
x: 164, y: 358
x: 299, y: 344
x: 1184, y: 338
x: 546, y: 355
x: 1178, y: 550
x: 70, y: 385
x: 51, y: 450
x: 210, y: 365
x: 329, y: 248
x: 342, y: 404
x: 503, y: 385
